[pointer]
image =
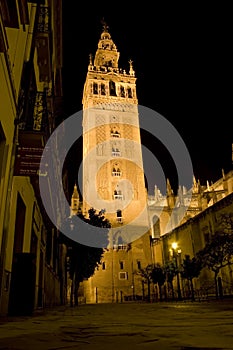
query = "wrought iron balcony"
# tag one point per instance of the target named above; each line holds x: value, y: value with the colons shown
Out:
x: 44, y: 51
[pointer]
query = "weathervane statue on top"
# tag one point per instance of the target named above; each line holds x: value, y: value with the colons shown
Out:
x: 105, y: 26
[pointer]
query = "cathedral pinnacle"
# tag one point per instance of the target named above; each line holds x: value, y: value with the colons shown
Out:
x: 169, y: 188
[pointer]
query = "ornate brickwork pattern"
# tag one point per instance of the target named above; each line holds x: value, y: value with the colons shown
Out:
x: 100, y: 134
x: 128, y: 134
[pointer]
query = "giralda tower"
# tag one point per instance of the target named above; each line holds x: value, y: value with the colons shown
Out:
x: 113, y: 175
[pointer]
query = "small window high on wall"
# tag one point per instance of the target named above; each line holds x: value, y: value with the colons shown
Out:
x: 116, y: 152
x: 118, y: 194
x: 116, y: 172
x: 114, y: 132
x: 119, y: 215
x: 123, y: 276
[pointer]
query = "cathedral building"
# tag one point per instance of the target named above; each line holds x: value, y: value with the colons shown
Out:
x: 143, y: 226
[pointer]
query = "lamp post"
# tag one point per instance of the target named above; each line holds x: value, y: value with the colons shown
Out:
x: 175, y: 253
x: 133, y: 284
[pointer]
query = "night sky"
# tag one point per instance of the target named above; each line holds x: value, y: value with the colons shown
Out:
x: 181, y: 57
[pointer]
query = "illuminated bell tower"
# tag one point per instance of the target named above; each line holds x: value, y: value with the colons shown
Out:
x: 74, y: 208
x: 113, y: 176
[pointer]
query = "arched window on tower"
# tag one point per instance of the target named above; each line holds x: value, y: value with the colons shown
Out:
x: 116, y: 152
x: 129, y: 93
x: 95, y: 88
x: 109, y: 63
x: 112, y: 88
x: 156, y: 227
x: 119, y: 216
x: 114, y: 132
x: 116, y: 172
x: 118, y: 194
x: 103, y: 92
x: 122, y: 91
x: 118, y: 242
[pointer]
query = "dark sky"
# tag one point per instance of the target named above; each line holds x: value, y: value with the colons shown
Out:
x: 182, y: 60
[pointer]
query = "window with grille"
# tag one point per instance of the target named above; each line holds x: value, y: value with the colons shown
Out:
x: 116, y: 172
x: 116, y: 152
x: 114, y: 132
x: 123, y: 276
x: 119, y: 215
x: 118, y: 194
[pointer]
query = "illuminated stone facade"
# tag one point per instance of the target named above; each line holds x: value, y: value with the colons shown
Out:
x: 193, y: 233
x: 113, y: 173
x: 32, y: 262
x: 113, y: 176
x: 143, y: 226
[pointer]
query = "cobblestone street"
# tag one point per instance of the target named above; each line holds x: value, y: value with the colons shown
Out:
x: 162, y: 326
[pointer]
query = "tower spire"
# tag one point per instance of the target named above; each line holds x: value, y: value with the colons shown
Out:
x: 74, y: 208
x: 106, y: 54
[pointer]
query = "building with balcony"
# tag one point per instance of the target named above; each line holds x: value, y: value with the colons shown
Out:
x: 32, y: 259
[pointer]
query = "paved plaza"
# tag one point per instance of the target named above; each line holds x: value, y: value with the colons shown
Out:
x: 161, y: 326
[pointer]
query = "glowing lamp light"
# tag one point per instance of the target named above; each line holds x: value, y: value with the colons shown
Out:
x: 174, y: 245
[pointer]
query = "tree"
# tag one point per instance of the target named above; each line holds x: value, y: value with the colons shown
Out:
x: 226, y: 223
x: 158, y: 276
x: 146, y: 275
x: 217, y: 254
x: 171, y: 271
x: 83, y: 259
x: 190, y: 268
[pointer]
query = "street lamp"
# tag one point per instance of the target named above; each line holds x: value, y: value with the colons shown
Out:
x: 175, y: 253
